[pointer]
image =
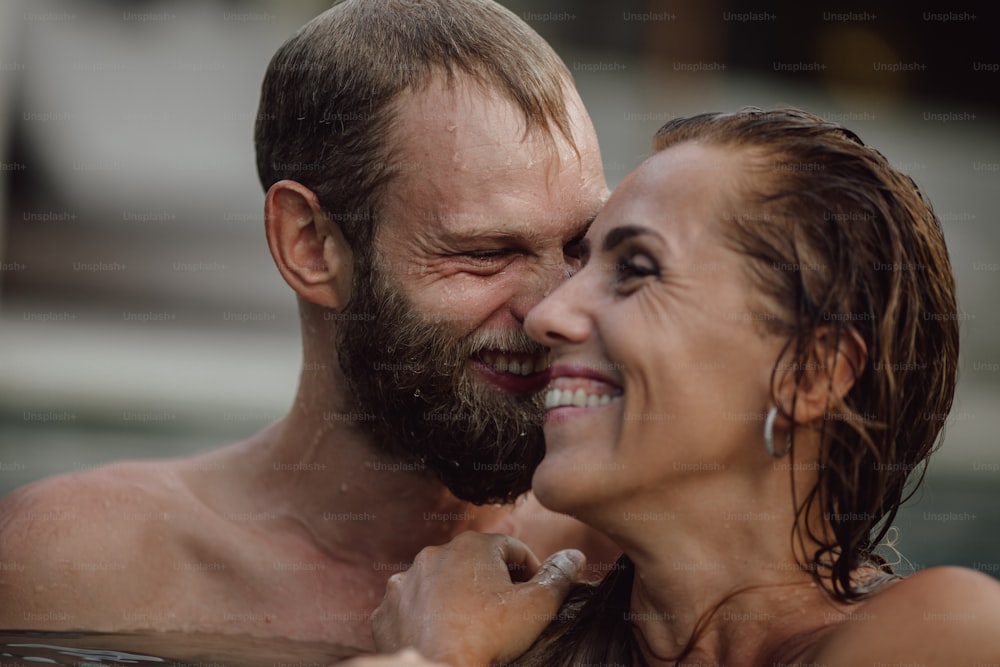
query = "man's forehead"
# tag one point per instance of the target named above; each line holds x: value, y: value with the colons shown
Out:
x: 472, y: 126
x: 471, y: 170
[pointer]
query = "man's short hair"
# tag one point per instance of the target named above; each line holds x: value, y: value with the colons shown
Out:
x: 330, y: 95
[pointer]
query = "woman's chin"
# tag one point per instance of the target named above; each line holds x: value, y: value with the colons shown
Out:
x: 546, y: 485
x: 577, y: 450
x: 562, y: 484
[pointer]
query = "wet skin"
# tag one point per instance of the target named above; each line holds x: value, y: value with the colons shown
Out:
x: 247, y: 539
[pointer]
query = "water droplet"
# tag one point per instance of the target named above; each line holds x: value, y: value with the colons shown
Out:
x: 416, y: 392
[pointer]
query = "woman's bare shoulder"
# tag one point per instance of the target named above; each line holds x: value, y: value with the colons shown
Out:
x: 940, y: 616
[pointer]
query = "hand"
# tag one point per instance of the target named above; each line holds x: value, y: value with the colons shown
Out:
x: 405, y: 658
x: 479, y: 599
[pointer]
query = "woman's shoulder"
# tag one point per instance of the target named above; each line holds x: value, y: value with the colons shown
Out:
x: 939, y: 616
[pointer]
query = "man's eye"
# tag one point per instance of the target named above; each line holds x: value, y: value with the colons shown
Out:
x: 486, y: 260
x: 486, y: 254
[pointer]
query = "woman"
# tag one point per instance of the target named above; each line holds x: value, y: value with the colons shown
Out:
x: 741, y: 379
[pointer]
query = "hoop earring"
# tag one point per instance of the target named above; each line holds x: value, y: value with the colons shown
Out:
x: 772, y: 414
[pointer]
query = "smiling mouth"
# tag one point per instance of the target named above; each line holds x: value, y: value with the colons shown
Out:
x: 580, y: 393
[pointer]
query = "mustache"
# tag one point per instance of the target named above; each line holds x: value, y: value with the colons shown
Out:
x: 416, y: 332
x: 508, y: 340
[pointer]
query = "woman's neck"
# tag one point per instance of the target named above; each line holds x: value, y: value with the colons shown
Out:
x: 721, y: 582
x: 757, y: 625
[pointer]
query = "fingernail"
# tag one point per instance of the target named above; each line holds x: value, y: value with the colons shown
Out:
x: 566, y: 563
x: 576, y: 558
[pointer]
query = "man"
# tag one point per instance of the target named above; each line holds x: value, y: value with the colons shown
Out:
x: 429, y: 169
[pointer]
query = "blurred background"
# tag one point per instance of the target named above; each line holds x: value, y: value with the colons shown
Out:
x: 141, y: 315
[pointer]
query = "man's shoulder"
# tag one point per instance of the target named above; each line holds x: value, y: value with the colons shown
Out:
x: 935, y: 617
x: 69, y: 539
x: 69, y: 500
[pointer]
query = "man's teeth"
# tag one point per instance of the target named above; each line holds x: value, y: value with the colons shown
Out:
x: 524, y: 367
x: 556, y: 398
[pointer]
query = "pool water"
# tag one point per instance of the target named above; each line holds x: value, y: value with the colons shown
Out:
x: 24, y: 648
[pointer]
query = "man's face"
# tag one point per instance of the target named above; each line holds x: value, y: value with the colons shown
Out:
x: 481, y: 223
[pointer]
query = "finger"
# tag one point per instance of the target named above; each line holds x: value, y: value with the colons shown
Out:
x: 522, y: 563
x: 539, y: 599
x: 383, y: 624
x: 405, y: 656
x: 383, y: 631
x: 560, y: 572
x: 543, y: 595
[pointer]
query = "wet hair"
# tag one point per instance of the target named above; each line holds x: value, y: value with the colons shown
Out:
x: 836, y: 239
x: 330, y: 96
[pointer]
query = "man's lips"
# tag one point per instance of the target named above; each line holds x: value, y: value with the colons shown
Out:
x: 580, y: 387
x: 518, y: 372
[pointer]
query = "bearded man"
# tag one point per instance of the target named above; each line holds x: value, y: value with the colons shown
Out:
x: 429, y: 169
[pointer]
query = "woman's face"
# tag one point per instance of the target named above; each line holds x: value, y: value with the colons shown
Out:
x: 661, y: 366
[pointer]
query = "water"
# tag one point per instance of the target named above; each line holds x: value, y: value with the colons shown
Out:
x: 25, y: 648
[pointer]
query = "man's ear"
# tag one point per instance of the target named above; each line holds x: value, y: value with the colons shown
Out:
x: 309, y: 249
x: 830, y: 370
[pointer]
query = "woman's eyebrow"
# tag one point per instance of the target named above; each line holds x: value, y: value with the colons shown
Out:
x: 618, y: 235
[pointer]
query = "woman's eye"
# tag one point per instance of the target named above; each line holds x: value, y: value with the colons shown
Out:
x: 637, y: 266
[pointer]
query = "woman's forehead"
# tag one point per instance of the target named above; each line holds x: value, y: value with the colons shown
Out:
x: 678, y: 191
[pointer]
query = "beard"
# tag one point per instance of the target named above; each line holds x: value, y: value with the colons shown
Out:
x: 412, y: 374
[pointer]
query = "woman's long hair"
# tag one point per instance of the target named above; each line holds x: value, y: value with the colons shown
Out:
x: 836, y: 239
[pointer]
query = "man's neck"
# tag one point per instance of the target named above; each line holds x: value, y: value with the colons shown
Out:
x: 318, y: 471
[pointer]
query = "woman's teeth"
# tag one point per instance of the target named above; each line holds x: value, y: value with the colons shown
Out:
x: 557, y: 398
